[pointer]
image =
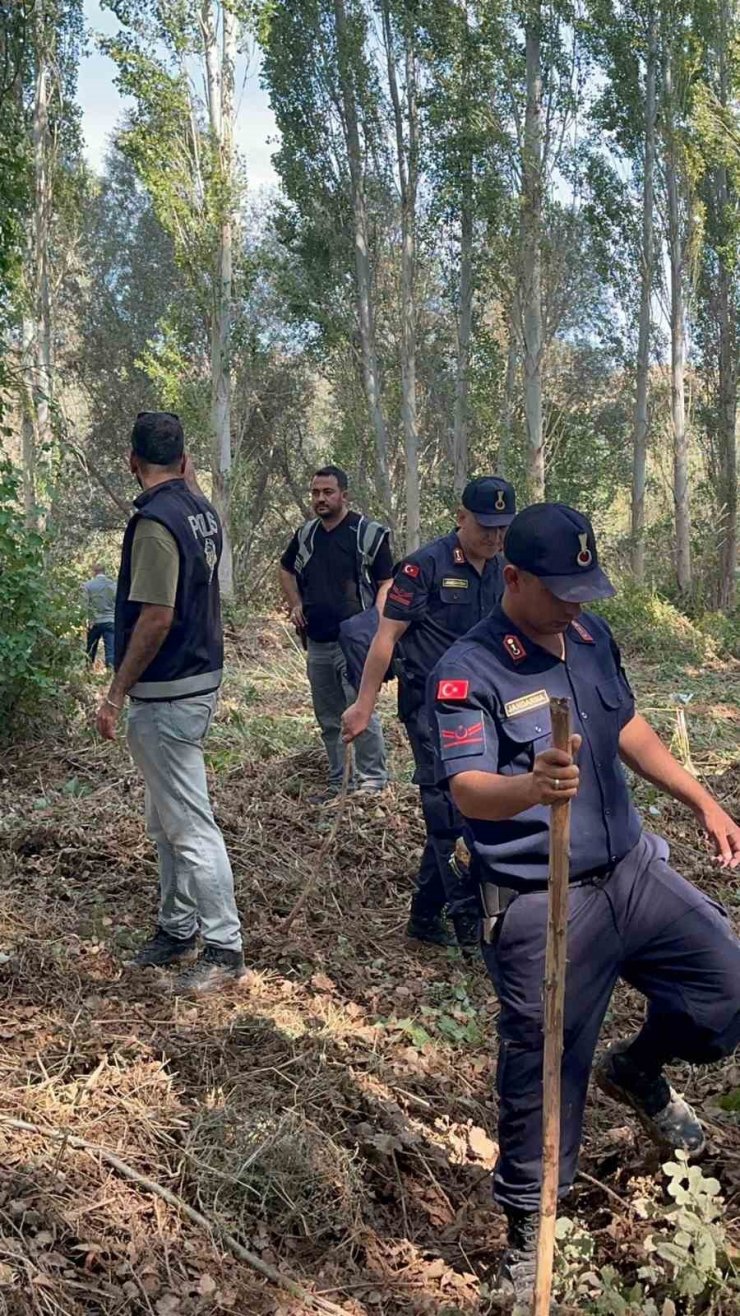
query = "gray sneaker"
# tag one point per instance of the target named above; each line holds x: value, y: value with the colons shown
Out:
x: 217, y: 968
x: 666, y: 1117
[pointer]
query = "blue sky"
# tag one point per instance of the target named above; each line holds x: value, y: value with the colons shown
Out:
x: 102, y: 106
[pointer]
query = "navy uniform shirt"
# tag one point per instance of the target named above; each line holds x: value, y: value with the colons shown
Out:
x: 488, y: 701
x: 441, y: 596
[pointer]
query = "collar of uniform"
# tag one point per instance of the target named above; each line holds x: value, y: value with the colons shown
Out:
x: 457, y: 554
x: 147, y: 494
x: 581, y: 632
x: 515, y: 650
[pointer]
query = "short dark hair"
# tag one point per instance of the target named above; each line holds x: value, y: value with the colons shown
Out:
x: 157, y: 438
x: 339, y: 475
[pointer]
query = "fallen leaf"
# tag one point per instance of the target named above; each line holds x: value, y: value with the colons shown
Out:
x: 482, y: 1146
x: 322, y: 982
x: 168, y: 1305
x: 206, y: 1285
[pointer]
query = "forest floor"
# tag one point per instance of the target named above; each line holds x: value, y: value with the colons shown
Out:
x: 335, y: 1113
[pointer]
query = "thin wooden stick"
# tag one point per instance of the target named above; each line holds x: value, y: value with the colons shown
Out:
x: 554, y: 998
x: 211, y: 1226
x: 324, y: 848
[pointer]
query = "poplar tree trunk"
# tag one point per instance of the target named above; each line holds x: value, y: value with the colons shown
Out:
x: 460, y: 436
x: 681, y: 503
x: 640, y: 425
x: 407, y: 152
x: 532, y: 197
x: 220, y: 89
x: 727, y: 325
x: 366, y: 319
x: 37, y: 329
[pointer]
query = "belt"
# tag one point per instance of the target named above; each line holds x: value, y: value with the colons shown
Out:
x: 496, y: 899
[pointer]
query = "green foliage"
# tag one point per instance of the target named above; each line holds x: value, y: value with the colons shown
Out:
x: 686, y: 1255
x: 38, y: 646
x: 648, y: 625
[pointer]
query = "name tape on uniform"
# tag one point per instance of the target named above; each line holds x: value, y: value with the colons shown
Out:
x: 537, y: 699
x: 453, y: 582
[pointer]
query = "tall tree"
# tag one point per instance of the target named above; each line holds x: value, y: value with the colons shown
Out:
x: 406, y: 124
x: 641, y: 420
x: 186, y: 160
x: 680, y: 202
x: 531, y: 251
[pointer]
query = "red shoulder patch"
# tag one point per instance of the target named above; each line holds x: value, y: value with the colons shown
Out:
x: 453, y: 689
x: 458, y: 557
x: 411, y: 569
x: 515, y: 648
x: 398, y: 595
x: 581, y: 631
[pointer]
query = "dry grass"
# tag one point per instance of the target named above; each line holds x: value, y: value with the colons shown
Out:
x: 305, y: 1112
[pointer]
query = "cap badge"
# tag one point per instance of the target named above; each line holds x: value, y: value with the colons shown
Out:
x: 500, y: 503
x: 585, y: 557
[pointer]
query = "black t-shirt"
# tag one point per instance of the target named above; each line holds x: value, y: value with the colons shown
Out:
x: 329, y: 584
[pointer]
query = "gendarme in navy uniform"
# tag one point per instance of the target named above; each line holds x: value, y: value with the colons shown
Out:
x: 631, y: 916
x: 438, y: 593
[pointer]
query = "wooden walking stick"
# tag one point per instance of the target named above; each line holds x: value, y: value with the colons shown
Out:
x: 554, y: 1000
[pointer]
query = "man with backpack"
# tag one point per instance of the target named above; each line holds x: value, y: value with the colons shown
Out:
x: 337, y: 565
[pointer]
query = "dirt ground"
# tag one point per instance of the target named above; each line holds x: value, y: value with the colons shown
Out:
x: 335, y: 1114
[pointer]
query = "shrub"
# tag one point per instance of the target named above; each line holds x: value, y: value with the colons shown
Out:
x: 650, y: 627
x: 38, y: 645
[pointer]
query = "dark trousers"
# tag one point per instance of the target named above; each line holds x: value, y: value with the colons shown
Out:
x: 100, y: 630
x: 644, y: 924
x: 436, y: 884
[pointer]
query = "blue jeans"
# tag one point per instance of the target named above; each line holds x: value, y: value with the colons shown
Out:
x: 100, y: 630
x: 331, y: 693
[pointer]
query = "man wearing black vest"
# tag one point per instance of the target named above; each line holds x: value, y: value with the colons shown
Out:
x: 168, y: 660
x: 337, y: 565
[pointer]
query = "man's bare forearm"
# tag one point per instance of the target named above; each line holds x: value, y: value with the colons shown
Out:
x: 379, y: 657
x: 492, y: 797
x: 148, y: 636
x: 641, y: 748
x: 289, y: 587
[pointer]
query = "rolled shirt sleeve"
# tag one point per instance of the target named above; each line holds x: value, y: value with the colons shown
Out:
x: 155, y: 565
x: 408, y: 596
x: 464, y: 730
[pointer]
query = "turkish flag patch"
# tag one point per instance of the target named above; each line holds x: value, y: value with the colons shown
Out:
x: 411, y: 569
x: 461, y: 734
x: 515, y: 648
x: 453, y: 690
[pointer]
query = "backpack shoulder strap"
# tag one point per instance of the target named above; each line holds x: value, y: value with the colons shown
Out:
x: 306, y: 536
x: 370, y: 535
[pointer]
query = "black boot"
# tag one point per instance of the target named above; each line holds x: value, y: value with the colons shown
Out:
x: 215, y: 969
x: 669, y: 1120
x: 516, y: 1272
x: 163, y: 949
x: 429, y: 928
x: 467, y: 931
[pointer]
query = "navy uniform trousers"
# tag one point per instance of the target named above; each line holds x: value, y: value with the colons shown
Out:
x: 437, y: 884
x: 644, y: 924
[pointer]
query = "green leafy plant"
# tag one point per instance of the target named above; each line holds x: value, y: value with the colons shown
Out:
x: 38, y: 644
x: 686, y: 1263
x: 698, y: 1238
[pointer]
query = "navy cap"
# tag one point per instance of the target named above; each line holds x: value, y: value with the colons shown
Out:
x: 557, y: 544
x: 491, y: 500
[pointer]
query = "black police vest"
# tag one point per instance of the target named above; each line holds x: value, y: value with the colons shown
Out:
x: 190, y: 661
